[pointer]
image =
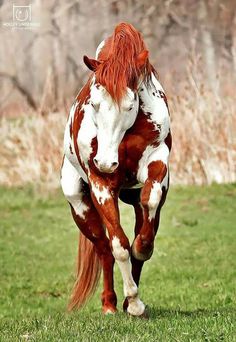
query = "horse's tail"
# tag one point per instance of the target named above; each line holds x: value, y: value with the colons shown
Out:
x: 88, y: 273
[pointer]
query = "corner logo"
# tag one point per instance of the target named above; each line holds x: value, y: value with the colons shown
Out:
x: 21, y: 18
x: 21, y: 13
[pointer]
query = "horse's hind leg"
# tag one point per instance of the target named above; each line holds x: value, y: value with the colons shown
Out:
x: 87, y: 219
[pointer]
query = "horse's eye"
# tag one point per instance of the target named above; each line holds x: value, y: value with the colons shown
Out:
x: 95, y: 106
x: 130, y: 108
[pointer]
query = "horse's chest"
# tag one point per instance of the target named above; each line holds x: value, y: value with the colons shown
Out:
x: 85, y: 139
x: 142, y: 134
x: 133, y: 152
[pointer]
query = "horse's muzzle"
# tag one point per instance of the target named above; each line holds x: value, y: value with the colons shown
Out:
x: 105, y: 167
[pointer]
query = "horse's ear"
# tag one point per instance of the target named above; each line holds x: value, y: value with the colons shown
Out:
x: 92, y: 64
x: 142, y: 58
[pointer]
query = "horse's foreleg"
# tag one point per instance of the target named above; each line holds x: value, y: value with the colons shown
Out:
x: 88, y: 221
x: 107, y: 205
x: 152, y: 197
x: 136, y: 264
x: 132, y: 197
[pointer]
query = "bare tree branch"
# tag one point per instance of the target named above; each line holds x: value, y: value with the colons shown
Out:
x: 21, y: 88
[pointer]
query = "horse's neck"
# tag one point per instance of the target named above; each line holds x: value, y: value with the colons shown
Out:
x: 153, y: 104
x: 146, y: 92
x: 99, y: 49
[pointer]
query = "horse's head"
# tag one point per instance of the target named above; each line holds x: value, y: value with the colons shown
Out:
x: 114, y: 106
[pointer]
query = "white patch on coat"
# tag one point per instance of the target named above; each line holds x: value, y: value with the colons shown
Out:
x: 69, y: 149
x: 86, y: 134
x: 154, y: 104
x: 71, y: 183
x: 136, y: 306
x: 156, y: 83
x: 154, y: 200
x: 99, y: 48
x: 150, y: 154
x: 101, y: 192
x: 165, y: 180
x: 119, y: 252
x: 68, y: 140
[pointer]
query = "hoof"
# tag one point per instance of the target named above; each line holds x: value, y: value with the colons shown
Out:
x: 135, y: 306
x: 141, y: 250
x: 108, y: 310
x: 145, y: 314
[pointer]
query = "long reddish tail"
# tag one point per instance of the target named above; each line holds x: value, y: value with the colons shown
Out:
x: 88, y: 273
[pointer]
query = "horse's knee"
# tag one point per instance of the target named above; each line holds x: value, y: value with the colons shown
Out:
x: 120, y: 252
x: 151, y: 197
x: 142, y: 247
x: 155, y: 195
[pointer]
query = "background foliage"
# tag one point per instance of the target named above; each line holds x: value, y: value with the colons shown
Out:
x: 192, y: 44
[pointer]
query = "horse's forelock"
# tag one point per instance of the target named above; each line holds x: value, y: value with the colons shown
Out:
x: 119, y: 69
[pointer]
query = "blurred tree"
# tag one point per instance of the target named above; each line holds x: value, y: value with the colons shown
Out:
x: 47, y: 61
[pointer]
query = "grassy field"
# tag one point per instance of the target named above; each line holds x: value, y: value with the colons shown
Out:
x: 189, y: 284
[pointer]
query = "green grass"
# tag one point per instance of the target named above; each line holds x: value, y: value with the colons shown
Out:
x: 189, y: 283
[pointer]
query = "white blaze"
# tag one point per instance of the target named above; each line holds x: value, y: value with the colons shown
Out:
x: 111, y: 122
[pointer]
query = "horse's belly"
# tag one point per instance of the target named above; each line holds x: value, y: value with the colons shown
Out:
x: 132, y: 186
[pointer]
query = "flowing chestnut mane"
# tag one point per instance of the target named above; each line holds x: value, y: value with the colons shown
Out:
x: 119, y: 67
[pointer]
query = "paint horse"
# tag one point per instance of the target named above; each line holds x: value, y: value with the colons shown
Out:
x: 117, y: 144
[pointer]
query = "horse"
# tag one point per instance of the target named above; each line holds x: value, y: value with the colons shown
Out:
x: 116, y: 146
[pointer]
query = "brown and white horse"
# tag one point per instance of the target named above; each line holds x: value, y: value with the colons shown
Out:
x: 117, y: 144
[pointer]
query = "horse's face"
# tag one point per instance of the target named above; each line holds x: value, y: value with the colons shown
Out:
x: 111, y: 121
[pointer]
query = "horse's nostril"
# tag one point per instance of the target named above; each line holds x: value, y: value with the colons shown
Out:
x: 105, y: 167
x: 114, y: 164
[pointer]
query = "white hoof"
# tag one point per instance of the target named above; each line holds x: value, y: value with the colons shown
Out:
x: 135, y: 307
x: 109, y: 312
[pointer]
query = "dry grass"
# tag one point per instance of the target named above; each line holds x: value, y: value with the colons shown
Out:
x: 31, y: 149
x: 203, y: 126
x: 204, y: 145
